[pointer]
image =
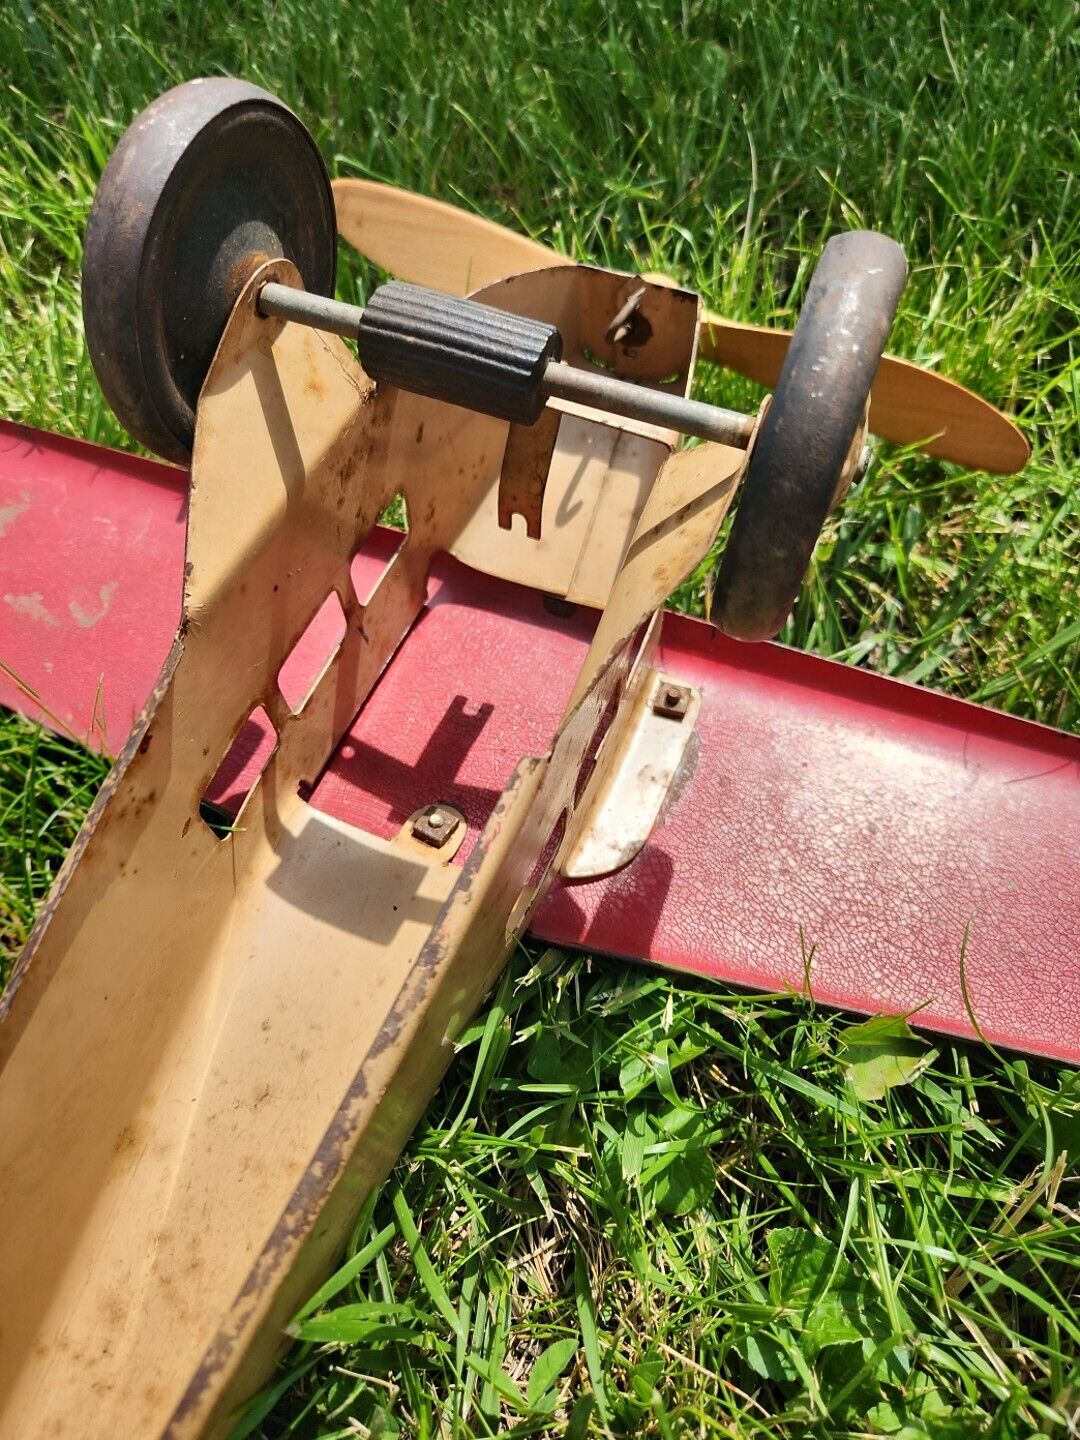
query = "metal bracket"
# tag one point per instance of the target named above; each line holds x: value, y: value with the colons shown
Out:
x: 641, y: 762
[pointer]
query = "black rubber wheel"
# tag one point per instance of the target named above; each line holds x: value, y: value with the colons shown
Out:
x: 807, y: 433
x: 210, y: 180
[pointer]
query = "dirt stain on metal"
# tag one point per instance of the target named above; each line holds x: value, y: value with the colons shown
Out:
x: 684, y: 773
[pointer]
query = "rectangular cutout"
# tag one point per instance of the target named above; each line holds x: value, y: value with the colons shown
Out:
x: 310, y: 658
x: 240, y: 771
x: 379, y: 550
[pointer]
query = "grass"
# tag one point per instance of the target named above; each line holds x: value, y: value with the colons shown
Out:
x: 637, y: 1206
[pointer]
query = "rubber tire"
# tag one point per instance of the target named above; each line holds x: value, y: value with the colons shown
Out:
x: 210, y: 180
x: 806, y: 435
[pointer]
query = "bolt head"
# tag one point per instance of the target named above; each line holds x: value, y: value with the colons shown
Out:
x: 436, y: 824
x: 671, y: 700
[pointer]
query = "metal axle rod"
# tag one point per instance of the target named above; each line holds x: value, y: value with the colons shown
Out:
x: 488, y: 359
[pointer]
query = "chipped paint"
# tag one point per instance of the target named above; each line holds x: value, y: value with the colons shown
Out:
x: 32, y: 606
x: 88, y: 618
x: 10, y: 513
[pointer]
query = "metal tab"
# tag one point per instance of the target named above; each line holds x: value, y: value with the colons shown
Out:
x: 525, y: 467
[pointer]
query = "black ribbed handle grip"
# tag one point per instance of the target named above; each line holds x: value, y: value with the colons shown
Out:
x: 457, y: 350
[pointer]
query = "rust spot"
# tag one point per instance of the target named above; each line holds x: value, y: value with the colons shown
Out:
x: 420, y: 432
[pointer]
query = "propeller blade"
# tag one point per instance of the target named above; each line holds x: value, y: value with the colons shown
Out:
x: 429, y: 242
x: 909, y: 404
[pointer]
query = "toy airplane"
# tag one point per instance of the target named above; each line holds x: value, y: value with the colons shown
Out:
x: 356, y: 765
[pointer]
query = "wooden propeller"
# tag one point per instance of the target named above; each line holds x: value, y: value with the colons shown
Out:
x: 431, y: 243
